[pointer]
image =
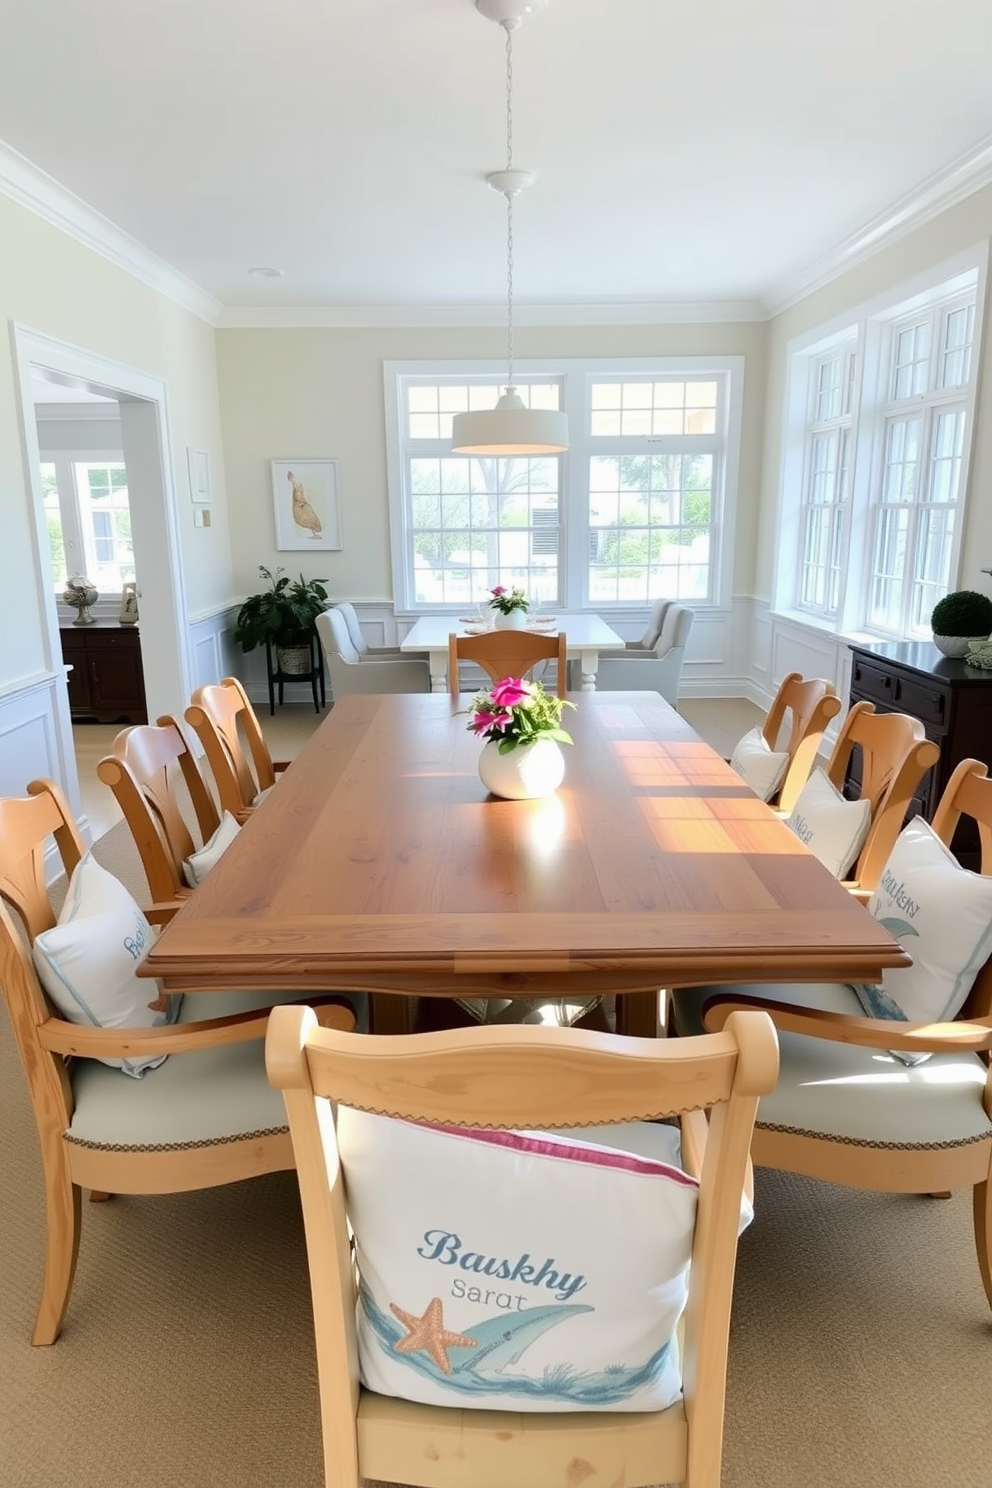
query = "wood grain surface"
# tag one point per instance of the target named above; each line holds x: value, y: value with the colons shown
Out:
x: 381, y: 862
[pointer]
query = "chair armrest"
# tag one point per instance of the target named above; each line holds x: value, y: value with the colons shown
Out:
x: 844, y: 1028
x: 87, y: 1042
x: 162, y: 912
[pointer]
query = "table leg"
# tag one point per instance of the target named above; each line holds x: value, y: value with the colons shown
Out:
x: 637, y: 1014
x: 390, y: 1012
x: 439, y: 671
x: 588, y: 666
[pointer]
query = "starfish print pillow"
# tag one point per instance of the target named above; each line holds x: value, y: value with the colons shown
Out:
x: 519, y: 1271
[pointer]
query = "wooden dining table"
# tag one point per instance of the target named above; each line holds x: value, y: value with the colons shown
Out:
x: 380, y: 863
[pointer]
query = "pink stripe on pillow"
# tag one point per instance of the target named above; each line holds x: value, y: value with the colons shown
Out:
x: 594, y: 1157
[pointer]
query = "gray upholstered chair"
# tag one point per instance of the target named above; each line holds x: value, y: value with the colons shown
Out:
x: 361, y: 645
x: 658, y: 669
x: 658, y: 612
x: 350, y: 673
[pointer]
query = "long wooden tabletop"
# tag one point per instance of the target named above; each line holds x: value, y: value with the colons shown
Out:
x: 381, y: 863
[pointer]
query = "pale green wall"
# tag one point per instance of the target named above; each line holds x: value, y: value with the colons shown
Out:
x: 960, y: 228
x: 319, y: 393
x: 51, y: 283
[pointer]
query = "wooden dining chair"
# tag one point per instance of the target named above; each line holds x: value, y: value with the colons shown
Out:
x: 226, y: 724
x: 800, y: 710
x: 514, y: 1080
x: 889, y: 754
x: 205, y: 1117
x: 846, y: 1108
x: 508, y: 653
x: 149, y: 766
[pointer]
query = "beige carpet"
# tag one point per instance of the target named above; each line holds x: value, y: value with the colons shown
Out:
x: 861, y: 1354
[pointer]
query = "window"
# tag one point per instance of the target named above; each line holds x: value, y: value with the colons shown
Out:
x: 640, y: 507
x: 880, y: 463
x: 651, y: 508
x: 475, y: 521
x: 88, y: 521
x: 826, y: 479
x: 917, y: 490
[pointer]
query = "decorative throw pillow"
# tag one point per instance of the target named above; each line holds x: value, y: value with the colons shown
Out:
x: 86, y: 963
x: 518, y: 1271
x: 198, y: 864
x: 831, y: 827
x: 763, y: 769
x: 942, y: 914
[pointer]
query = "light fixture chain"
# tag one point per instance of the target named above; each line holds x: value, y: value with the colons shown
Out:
x: 509, y: 99
x: 509, y: 282
x: 509, y: 202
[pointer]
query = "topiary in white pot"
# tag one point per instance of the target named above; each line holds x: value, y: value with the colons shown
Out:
x: 959, y: 619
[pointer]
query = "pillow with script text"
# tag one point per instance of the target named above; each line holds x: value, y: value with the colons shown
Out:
x: 519, y: 1271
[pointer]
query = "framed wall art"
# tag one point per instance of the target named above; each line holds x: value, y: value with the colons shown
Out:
x: 305, y: 497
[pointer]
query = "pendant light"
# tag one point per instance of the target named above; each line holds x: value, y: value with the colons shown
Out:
x: 510, y: 428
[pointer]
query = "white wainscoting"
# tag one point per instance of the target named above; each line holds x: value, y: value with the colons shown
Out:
x: 36, y: 743
x: 213, y: 653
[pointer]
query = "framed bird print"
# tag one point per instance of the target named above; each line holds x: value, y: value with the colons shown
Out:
x: 305, y: 497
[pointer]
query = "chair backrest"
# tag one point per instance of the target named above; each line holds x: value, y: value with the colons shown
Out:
x: 969, y: 793
x: 358, y: 641
x: 895, y: 754
x: 335, y: 635
x: 508, y: 653
x: 675, y: 627
x: 653, y: 631
x: 351, y: 673
x: 25, y: 827
x: 810, y: 703
x: 530, y: 1078
x: 144, y: 773
x: 224, y: 720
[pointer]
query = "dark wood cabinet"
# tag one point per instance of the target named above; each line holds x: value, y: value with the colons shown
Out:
x: 952, y: 700
x: 106, y: 683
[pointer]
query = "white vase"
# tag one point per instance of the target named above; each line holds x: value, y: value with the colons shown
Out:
x: 522, y: 774
x: 515, y: 620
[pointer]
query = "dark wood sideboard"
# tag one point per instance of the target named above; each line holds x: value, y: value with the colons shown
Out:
x: 952, y: 700
x: 106, y: 683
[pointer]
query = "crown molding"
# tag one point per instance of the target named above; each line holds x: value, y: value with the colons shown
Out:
x: 405, y: 316
x: 30, y: 187
x: 957, y: 181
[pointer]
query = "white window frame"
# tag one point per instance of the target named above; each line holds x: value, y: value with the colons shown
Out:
x: 576, y: 377
x: 74, y: 534
x: 872, y: 327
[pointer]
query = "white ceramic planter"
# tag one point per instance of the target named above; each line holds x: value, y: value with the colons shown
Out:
x: 525, y: 773
x: 956, y: 645
x: 515, y: 620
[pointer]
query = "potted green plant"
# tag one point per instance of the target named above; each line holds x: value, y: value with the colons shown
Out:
x: 283, y: 614
x: 960, y: 618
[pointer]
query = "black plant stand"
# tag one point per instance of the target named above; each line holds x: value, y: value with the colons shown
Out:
x: 315, y: 676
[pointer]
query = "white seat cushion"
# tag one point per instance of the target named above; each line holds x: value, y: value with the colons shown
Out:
x: 192, y: 1099
x: 847, y: 1093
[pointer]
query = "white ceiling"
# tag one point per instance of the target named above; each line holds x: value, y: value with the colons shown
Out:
x: 707, y: 151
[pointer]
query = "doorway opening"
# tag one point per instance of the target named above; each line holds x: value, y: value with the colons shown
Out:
x: 98, y: 454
